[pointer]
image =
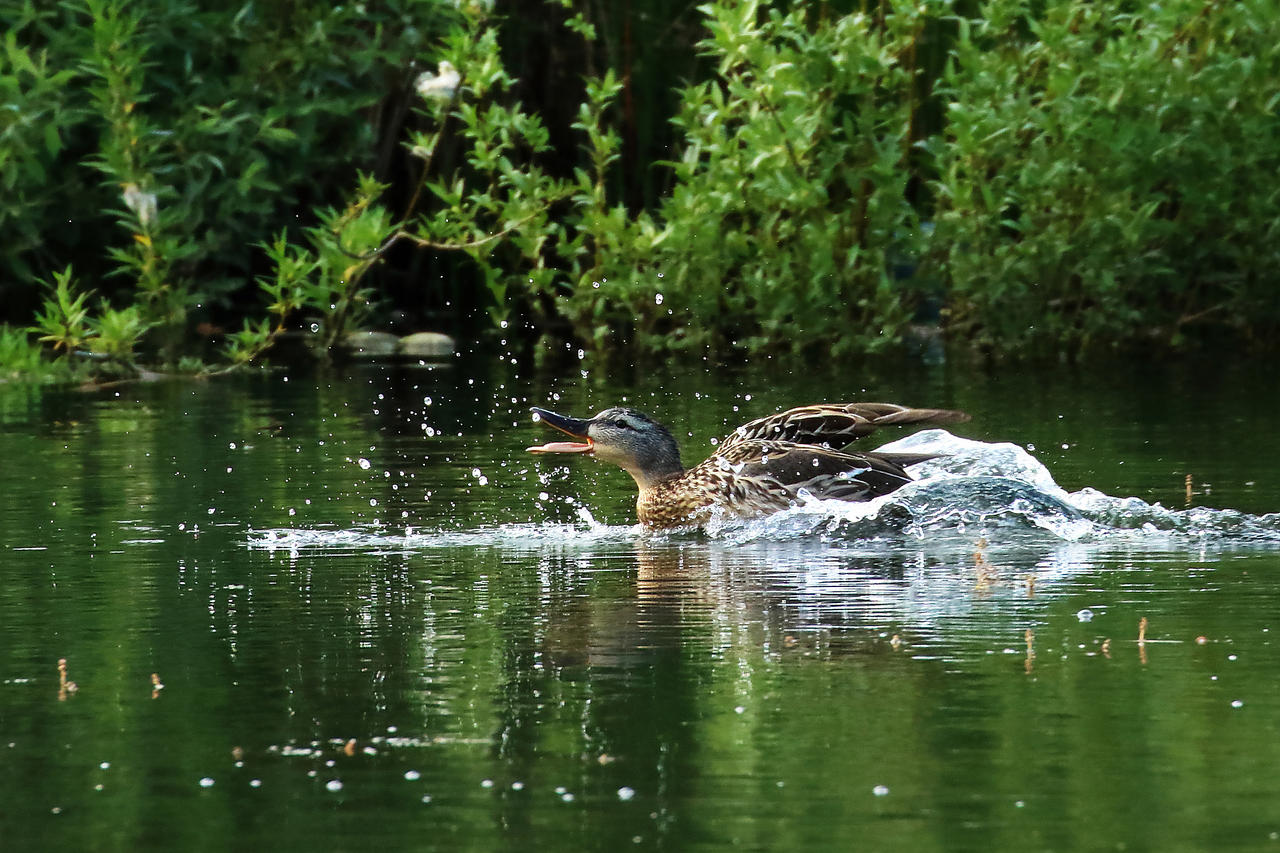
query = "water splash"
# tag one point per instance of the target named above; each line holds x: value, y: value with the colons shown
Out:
x: 1001, y: 490
x: 971, y: 489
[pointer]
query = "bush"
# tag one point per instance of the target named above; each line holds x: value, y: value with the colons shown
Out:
x: 181, y: 135
x: 1109, y: 175
x: 1097, y: 174
x: 790, y: 202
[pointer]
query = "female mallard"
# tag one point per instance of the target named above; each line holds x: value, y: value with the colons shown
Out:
x: 759, y: 469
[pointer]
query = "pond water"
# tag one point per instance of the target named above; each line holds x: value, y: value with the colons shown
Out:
x: 336, y: 612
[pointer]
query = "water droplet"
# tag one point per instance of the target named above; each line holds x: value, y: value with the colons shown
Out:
x: 1084, y: 615
x: 1237, y: 703
x: 625, y: 793
x: 333, y: 785
x: 206, y: 782
x: 880, y: 790
x: 657, y: 298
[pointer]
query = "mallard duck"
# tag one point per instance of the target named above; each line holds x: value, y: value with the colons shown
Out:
x: 760, y: 468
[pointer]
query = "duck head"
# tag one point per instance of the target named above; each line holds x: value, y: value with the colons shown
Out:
x: 632, y: 440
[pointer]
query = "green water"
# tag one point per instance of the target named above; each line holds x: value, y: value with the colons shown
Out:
x: 511, y: 675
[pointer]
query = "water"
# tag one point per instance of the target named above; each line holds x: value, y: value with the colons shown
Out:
x: 331, y: 613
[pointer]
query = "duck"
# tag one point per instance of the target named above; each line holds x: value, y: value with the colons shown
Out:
x: 762, y: 467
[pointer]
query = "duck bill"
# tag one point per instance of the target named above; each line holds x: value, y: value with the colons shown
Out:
x: 572, y: 427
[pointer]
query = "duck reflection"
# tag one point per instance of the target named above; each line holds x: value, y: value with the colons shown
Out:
x: 776, y: 599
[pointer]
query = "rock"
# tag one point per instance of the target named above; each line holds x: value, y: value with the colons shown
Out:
x: 370, y: 344
x: 427, y: 345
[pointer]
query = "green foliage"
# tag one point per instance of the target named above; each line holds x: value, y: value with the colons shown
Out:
x: 324, y: 280
x: 20, y: 360
x: 117, y: 331
x: 345, y: 245
x: 1108, y: 172
x: 202, y: 128
x: 288, y: 289
x: 790, y: 195
x: 577, y: 22
x: 63, y: 321
x: 1097, y: 173
x: 131, y: 152
x: 250, y: 342
x: 608, y: 299
x: 35, y: 117
x: 66, y: 324
x: 495, y: 205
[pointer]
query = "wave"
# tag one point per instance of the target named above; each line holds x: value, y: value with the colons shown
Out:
x: 1001, y: 490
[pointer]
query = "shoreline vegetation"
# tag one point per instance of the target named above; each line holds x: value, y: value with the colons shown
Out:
x: 183, y: 188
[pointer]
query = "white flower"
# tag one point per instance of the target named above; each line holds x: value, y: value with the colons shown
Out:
x: 438, y: 87
x: 142, y: 204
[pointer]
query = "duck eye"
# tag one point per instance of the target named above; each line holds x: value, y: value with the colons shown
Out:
x: 621, y: 424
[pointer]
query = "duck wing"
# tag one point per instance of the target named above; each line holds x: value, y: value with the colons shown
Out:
x: 756, y: 474
x: 835, y: 424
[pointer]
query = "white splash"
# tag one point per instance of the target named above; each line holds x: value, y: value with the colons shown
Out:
x: 972, y: 490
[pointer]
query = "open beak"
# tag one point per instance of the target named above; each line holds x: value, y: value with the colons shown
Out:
x: 573, y: 427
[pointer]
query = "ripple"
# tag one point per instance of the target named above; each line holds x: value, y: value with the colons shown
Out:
x: 508, y: 537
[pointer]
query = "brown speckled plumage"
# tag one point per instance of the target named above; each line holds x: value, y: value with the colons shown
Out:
x: 762, y: 467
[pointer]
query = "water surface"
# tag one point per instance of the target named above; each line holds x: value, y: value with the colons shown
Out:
x: 329, y: 612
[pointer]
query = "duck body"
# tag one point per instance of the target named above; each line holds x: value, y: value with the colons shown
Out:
x: 762, y: 467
